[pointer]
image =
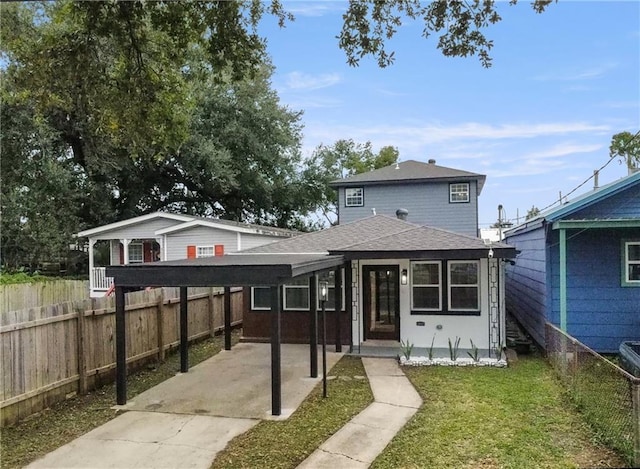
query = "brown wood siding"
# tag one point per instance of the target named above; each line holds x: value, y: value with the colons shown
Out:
x: 256, y: 325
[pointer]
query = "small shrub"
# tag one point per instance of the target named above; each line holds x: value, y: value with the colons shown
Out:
x: 474, y: 351
x: 453, y: 349
x: 406, y: 348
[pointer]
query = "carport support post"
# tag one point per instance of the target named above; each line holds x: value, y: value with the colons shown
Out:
x: 338, y: 307
x: 184, y: 333
x: 121, y: 350
x: 276, y: 385
x: 313, y: 325
x: 227, y: 318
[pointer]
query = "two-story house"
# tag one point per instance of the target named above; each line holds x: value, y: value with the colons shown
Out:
x: 414, y: 267
x: 432, y: 195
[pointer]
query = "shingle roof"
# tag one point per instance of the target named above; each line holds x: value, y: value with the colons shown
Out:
x: 410, y: 170
x: 377, y: 234
x: 337, y: 236
x: 421, y: 238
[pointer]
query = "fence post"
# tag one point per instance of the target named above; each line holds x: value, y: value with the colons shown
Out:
x: 78, y: 306
x: 635, y: 398
x: 210, y: 303
x: 160, y: 325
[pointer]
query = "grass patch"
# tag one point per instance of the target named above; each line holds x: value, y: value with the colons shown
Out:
x: 494, y: 418
x: 41, y: 433
x: 285, y: 444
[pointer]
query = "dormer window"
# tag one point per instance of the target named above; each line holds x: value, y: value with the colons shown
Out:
x: 354, y: 197
x: 459, y: 192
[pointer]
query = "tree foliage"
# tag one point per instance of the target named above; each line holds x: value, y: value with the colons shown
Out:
x: 343, y: 158
x: 532, y: 213
x: 115, y: 108
x: 370, y: 25
x: 626, y: 146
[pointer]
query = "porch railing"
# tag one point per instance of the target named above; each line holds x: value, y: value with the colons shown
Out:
x: 99, y: 279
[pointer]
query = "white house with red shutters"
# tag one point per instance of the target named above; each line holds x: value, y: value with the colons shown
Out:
x: 163, y: 236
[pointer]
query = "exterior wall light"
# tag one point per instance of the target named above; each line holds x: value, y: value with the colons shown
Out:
x: 490, y: 253
x: 404, y: 277
x: 324, y: 291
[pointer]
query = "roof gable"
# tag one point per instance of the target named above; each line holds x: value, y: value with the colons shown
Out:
x: 134, y: 221
x: 592, y: 197
x: 228, y: 225
x: 410, y: 171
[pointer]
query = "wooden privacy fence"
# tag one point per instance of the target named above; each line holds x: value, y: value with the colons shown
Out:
x: 30, y: 295
x: 53, y: 351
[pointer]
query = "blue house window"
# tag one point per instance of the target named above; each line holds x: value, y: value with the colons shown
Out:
x: 354, y: 197
x: 459, y: 192
x: 631, y: 264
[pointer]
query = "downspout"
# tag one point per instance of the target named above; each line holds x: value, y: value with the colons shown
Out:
x: 563, y: 280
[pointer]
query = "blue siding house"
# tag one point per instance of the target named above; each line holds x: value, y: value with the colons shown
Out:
x: 579, y: 268
x: 432, y: 195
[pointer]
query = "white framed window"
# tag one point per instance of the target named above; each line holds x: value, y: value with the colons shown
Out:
x: 330, y: 278
x: 296, y: 294
x: 261, y: 298
x: 631, y: 264
x: 205, y: 251
x: 354, y: 197
x: 426, y: 286
x: 464, y: 285
x: 136, y: 255
x: 459, y: 192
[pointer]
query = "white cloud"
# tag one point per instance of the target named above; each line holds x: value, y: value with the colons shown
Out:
x: 304, y: 81
x: 585, y: 74
x: 313, y: 9
x: 563, y: 149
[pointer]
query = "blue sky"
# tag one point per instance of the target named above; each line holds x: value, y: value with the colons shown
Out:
x: 537, y: 123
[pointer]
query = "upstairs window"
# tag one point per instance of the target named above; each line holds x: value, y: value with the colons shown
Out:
x: 459, y: 192
x: 354, y: 197
x: 631, y: 266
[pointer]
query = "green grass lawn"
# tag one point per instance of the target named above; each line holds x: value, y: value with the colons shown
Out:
x: 494, y: 418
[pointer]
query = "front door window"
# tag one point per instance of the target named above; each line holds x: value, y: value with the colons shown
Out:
x: 381, y: 302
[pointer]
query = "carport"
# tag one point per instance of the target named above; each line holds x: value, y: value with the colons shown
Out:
x: 231, y: 270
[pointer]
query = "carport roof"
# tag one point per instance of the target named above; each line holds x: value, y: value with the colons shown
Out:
x: 229, y: 270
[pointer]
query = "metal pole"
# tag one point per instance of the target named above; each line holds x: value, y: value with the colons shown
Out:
x: 313, y: 326
x: 184, y: 333
x: 338, y: 307
x: 121, y: 349
x: 227, y: 318
x: 276, y: 384
x: 324, y: 350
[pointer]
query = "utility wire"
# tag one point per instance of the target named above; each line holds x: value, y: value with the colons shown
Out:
x: 637, y: 134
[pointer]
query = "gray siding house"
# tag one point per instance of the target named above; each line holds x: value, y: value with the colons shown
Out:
x: 163, y: 236
x: 432, y: 195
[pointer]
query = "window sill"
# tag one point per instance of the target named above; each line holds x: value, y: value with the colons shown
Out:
x: 446, y: 313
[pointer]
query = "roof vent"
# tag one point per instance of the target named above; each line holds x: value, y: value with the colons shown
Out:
x: 402, y: 213
x: 432, y: 161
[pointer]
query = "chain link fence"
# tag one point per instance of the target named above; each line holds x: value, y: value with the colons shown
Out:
x: 606, y: 395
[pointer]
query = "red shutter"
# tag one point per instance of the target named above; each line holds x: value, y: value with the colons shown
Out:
x: 147, y: 251
x: 121, y: 254
x: 191, y: 252
x: 219, y: 249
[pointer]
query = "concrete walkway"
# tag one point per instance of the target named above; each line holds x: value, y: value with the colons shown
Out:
x: 186, y: 420
x: 362, y: 439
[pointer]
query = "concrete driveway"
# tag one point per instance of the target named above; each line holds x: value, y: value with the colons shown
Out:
x: 186, y: 420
